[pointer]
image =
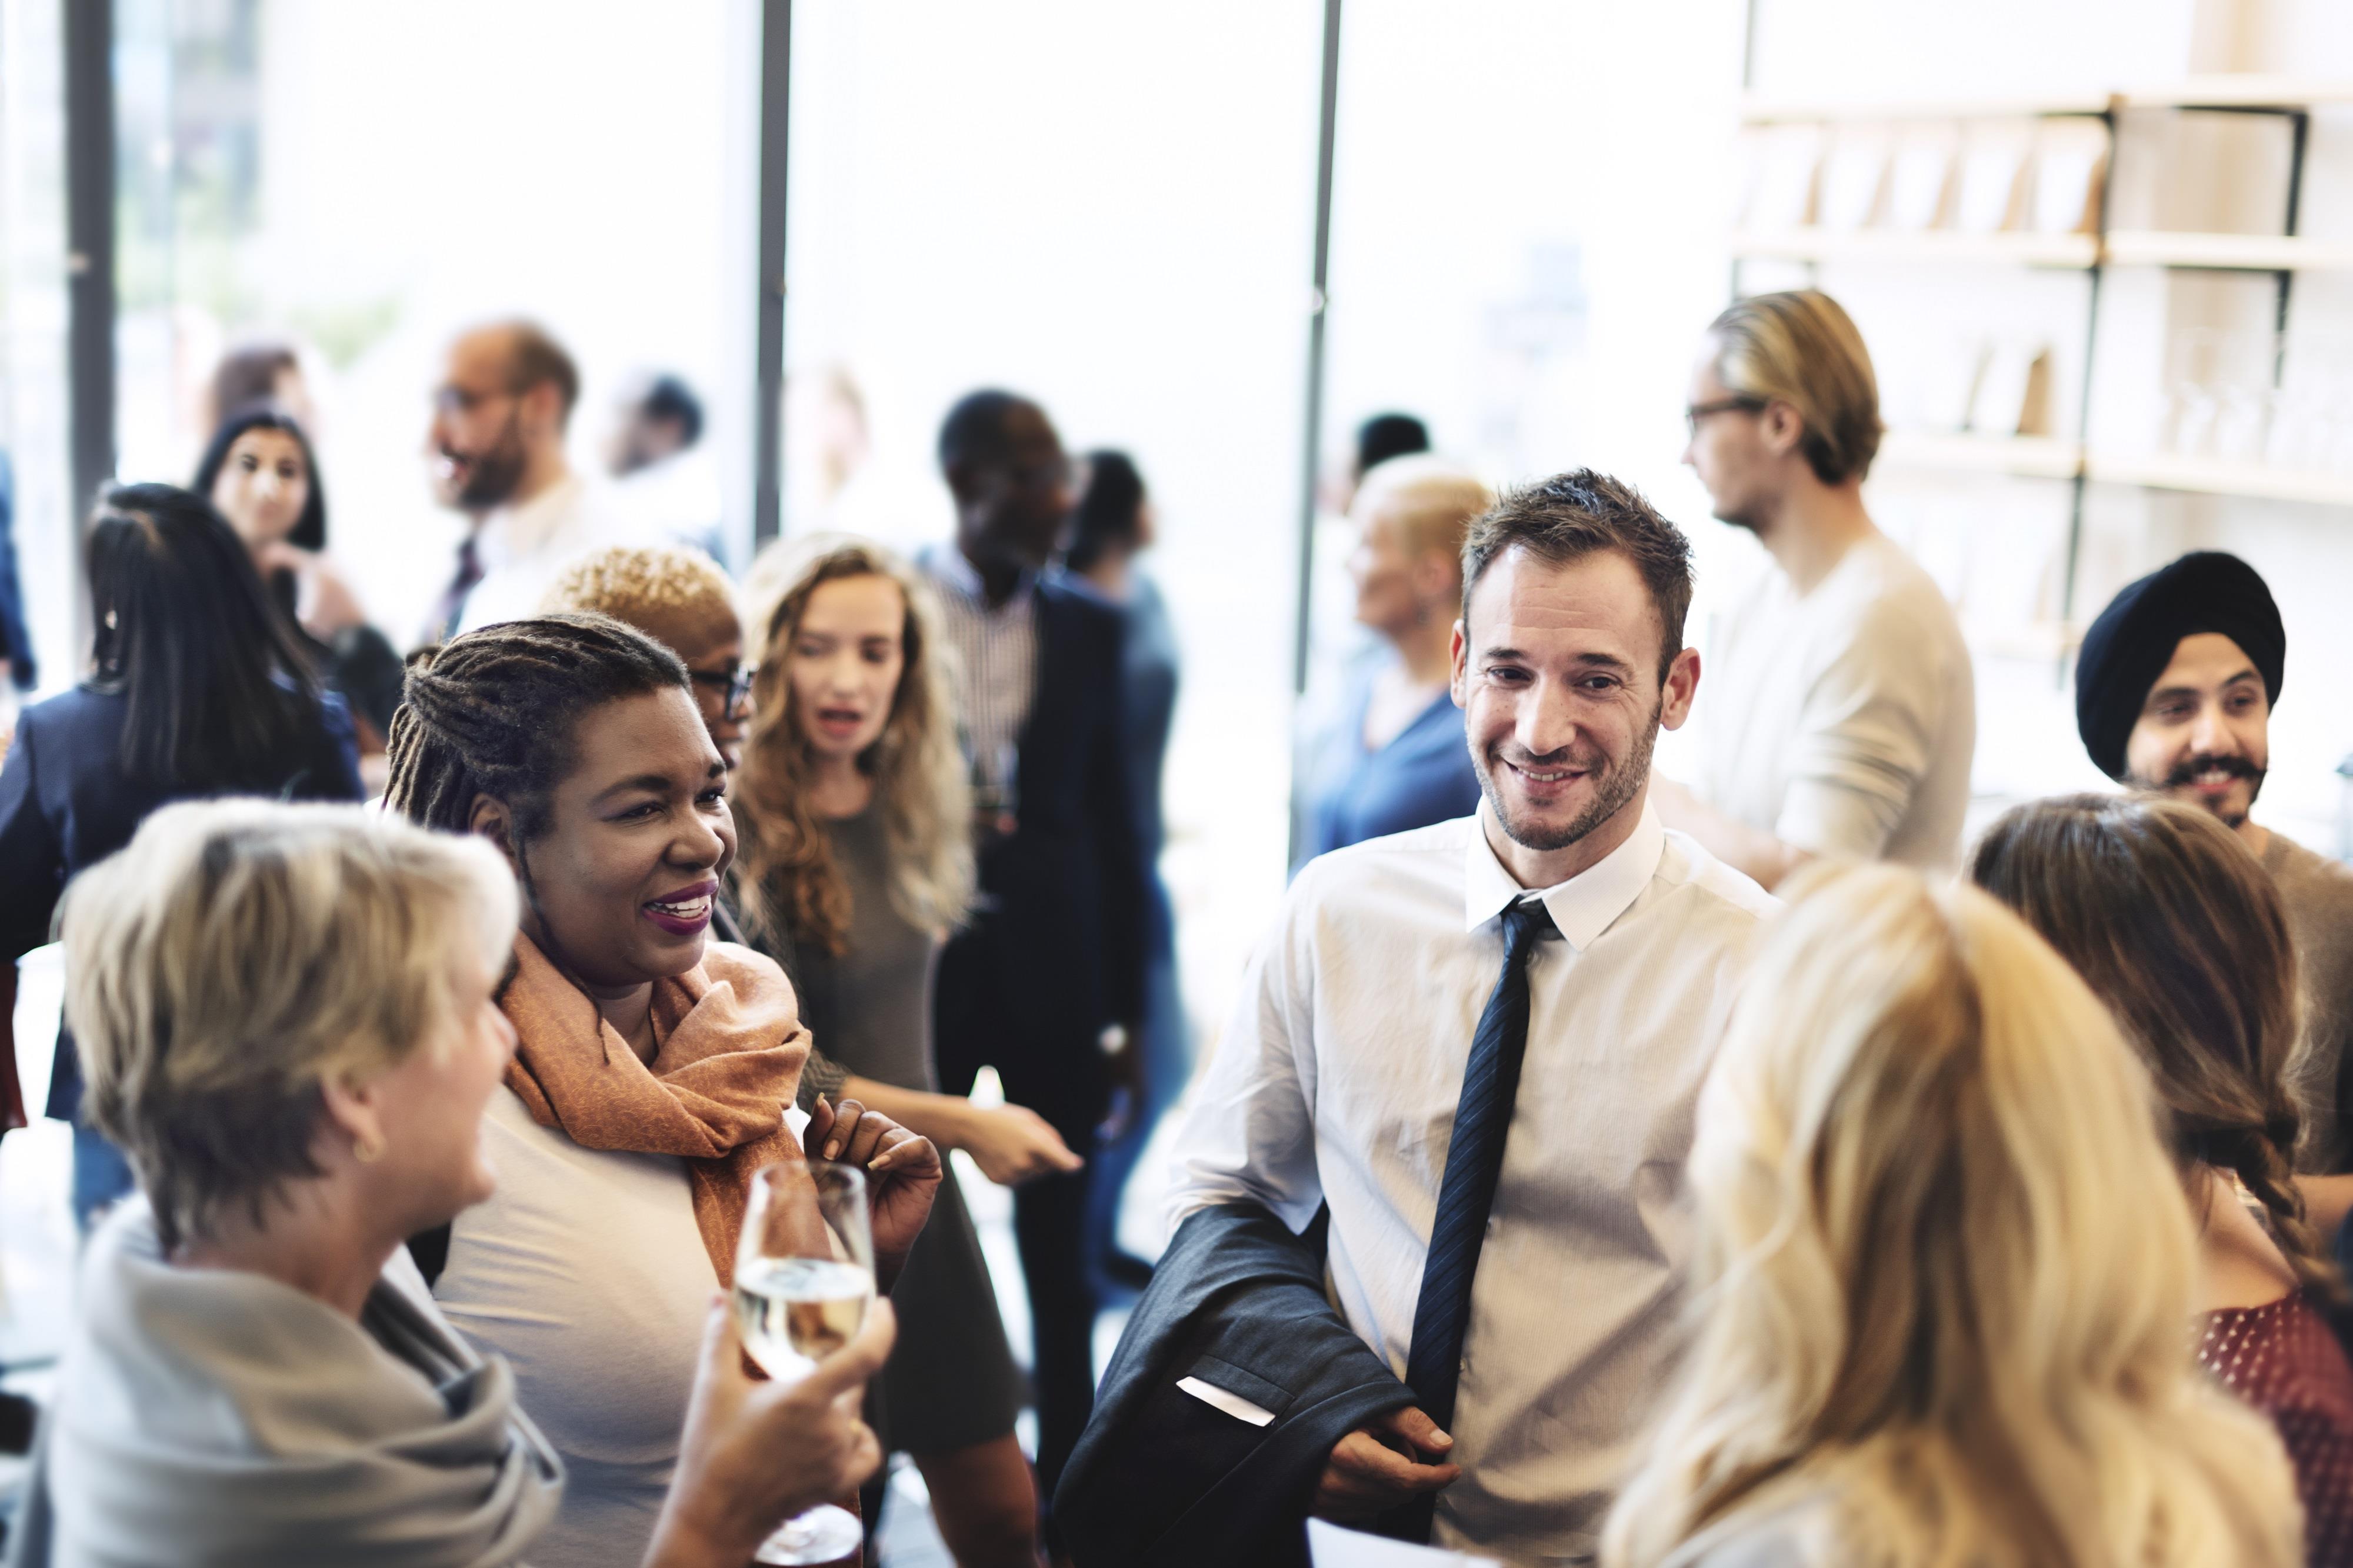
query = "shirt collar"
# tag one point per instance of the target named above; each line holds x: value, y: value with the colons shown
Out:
x: 949, y: 565
x: 513, y: 531
x: 1584, y: 906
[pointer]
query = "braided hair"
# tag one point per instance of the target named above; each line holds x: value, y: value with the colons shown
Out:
x: 2175, y: 927
x: 494, y: 713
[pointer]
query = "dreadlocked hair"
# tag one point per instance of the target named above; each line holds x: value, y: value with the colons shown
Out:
x: 2179, y: 931
x: 493, y: 712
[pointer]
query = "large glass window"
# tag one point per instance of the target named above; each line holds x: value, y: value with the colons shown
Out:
x: 363, y: 181
x: 1108, y: 208
x: 32, y: 422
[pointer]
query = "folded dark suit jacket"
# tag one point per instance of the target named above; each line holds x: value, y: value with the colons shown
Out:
x: 1161, y: 1477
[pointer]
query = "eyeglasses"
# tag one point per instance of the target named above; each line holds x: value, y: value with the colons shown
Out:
x: 455, y: 400
x: 733, y: 685
x: 1699, y: 411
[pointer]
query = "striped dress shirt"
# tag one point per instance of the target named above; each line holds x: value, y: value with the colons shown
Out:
x: 997, y: 655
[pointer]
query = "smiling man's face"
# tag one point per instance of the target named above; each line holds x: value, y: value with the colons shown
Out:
x: 2204, y: 733
x: 1556, y: 670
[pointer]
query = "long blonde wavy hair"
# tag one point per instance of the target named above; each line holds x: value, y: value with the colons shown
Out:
x: 787, y: 880
x: 1945, y: 1271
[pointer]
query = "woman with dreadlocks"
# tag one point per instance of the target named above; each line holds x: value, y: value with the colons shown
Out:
x: 653, y: 1069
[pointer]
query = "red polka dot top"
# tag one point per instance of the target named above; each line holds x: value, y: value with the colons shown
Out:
x: 2282, y: 1359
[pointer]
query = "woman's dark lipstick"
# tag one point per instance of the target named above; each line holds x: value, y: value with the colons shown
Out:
x: 685, y: 912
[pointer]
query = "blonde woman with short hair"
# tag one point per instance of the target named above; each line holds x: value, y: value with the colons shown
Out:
x: 856, y: 862
x: 1943, y: 1275
x: 1396, y: 759
x: 1841, y: 712
x: 289, y: 1016
x: 683, y: 600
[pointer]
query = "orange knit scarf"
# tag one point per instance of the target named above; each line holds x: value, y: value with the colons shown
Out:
x: 729, y: 1046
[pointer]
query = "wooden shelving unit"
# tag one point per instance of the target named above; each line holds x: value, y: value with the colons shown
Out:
x: 2219, y: 476
x: 2224, y: 252
x: 2117, y: 248
x: 2028, y: 457
x: 2282, y: 256
x: 1762, y: 111
x: 2076, y: 251
x: 2046, y: 458
x: 2235, y: 91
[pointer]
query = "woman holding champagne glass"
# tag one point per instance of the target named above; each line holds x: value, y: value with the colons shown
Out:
x: 855, y: 810
x: 256, y: 1377
x: 654, y: 1069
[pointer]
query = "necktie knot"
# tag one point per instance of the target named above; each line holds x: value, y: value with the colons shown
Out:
x: 1526, y: 922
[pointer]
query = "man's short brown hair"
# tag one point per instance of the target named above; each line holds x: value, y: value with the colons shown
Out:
x: 1570, y: 516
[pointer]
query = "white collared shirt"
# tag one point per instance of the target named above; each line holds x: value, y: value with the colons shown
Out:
x: 997, y: 652
x: 522, y: 549
x: 1337, y: 1083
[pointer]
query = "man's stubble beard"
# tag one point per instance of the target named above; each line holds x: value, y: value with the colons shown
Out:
x: 498, y: 471
x: 1618, y: 786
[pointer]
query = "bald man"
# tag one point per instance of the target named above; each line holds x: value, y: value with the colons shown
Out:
x: 496, y: 453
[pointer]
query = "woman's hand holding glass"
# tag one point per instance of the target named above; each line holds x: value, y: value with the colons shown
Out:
x: 902, y: 1173
x: 755, y: 1452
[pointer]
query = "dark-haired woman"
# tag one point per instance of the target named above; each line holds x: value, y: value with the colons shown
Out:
x: 654, y: 1069
x: 197, y: 687
x: 1113, y: 523
x: 260, y: 472
x: 2179, y: 932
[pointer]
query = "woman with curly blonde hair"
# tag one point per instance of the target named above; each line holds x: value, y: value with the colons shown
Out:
x: 1946, y: 1271
x: 856, y: 862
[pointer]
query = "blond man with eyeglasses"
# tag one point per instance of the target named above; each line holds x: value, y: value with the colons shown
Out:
x: 1842, y: 710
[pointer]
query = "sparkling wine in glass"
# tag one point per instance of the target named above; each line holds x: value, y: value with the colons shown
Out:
x: 804, y: 1281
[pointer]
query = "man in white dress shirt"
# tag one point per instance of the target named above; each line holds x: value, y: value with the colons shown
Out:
x: 496, y: 449
x: 1352, y: 1073
x: 1842, y: 710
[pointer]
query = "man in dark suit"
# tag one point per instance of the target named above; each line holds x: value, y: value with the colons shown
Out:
x: 1045, y: 982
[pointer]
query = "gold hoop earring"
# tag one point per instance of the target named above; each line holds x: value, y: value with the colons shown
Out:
x: 368, y: 1151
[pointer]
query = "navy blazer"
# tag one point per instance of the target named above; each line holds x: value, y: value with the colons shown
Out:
x: 65, y: 805
x: 1163, y: 1479
x: 1055, y: 951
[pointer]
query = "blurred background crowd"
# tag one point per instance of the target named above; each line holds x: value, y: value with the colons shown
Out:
x: 431, y: 301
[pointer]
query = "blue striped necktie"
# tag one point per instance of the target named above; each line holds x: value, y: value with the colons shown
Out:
x: 1475, y: 1157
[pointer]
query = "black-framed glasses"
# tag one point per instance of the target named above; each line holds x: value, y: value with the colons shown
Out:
x: 733, y: 685
x: 1696, y: 412
x: 454, y: 400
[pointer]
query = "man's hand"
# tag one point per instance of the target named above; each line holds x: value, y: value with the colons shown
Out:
x: 1389, y: 1460
x: 1013, y: 1144
x: 755, y: 1453
x: 902, y: 1173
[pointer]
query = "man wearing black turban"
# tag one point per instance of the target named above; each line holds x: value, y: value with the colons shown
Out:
x: 2174, y: 691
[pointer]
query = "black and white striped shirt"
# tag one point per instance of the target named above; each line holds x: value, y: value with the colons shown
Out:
x: 996, y: 653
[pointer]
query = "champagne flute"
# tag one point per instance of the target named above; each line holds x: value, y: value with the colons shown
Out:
x: 804, y: 1281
